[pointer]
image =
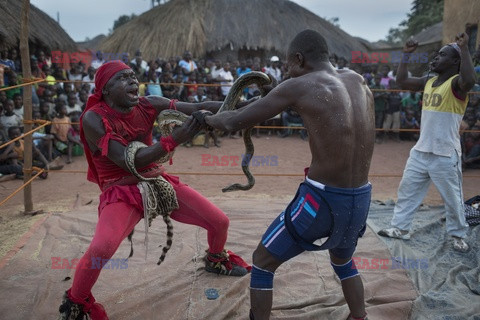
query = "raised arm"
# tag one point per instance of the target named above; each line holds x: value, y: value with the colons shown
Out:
x: 403, y: 80
x: 94, y: 131
x: 467, y: 77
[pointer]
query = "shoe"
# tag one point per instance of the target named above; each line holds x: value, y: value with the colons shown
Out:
x: 220, y: 264
x: 73, y: 309
x: 394, y: 233
x: 460, y: 245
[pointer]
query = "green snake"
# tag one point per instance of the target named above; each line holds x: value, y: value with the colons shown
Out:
x: 169, y: 117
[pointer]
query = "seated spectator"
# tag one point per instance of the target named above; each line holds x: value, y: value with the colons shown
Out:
x: 42, y: 140
x: 13, y: 81
x: 38, y: 158
x: 18, y: 105
x: 9, y: 167
x: 9, y: 118
x: 408, y: 121
x: 75, y: 146
x: 290, y: 117
x: 73, y: 108
x: 169, y: 90
x: 153, y: 86
x: 61, y: 125
x: 200, y: 96
x: 471, y: 149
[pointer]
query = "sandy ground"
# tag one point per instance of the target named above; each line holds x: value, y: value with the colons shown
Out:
x: 63, y: 191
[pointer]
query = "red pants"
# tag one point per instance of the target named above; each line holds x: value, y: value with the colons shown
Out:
x: 121, y: 209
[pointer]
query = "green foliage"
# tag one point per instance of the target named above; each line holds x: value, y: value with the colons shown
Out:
x: 122, y: 20
x: 423, y: 14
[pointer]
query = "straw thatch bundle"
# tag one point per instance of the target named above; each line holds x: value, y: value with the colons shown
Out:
x: 44, y: 31
x: 208, y: 26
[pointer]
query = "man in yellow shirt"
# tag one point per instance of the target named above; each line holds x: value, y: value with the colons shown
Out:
x: 437, y: 155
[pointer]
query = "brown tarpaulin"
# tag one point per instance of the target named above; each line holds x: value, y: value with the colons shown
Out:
x: 305, y: 287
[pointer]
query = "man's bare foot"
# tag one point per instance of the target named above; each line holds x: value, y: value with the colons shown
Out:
x: 69, y: 161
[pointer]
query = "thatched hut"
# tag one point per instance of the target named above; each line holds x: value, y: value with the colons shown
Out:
x: 45, y: 33
x: 225, y: 29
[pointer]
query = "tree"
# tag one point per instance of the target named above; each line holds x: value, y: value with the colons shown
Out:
x: 122, y: 20
x: 423, y: 14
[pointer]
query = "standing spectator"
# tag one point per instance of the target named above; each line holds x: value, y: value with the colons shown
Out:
x: 188, y: 65
x: 16, y: 60
x: 385, y: 80
x: 436, y: 155
x: 169, y: 90
x: 42, y: 60
x: 392, y: 114
x: 342, y: 63
x: 216, y: 68
x: 225, y: 78
x: 333, y: 60
x: 90, y: 78
x: 274, y: 69
x: 6, y: 66
x: 139, y: 62
x: 380, y: 98
x: 242, y: 69
x: 98, y: 61
x: 9, y: 118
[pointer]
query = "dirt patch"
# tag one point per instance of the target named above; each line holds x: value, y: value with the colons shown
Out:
x: 67, y: 189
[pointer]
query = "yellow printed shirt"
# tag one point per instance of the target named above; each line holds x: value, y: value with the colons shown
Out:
x: 442, y: 113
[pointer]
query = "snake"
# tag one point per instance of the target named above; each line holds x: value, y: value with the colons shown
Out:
x: 167, y: 118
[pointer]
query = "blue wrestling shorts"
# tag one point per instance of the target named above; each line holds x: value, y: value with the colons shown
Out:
x: 320, y: 212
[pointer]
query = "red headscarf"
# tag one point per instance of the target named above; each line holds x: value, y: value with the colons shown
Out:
x: 102, y: 76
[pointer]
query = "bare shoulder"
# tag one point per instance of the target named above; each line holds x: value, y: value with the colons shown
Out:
x: 92, y: 123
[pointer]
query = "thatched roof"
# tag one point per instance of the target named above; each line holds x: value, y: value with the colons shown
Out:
x: 44, y: 31
x: 202, y: 26
x: 430, y: 34
x: 92, y: 44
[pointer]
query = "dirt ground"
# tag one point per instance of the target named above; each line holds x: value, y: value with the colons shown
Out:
x: 64, y: 190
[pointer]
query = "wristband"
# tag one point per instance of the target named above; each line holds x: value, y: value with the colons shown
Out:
x: 168, y: 144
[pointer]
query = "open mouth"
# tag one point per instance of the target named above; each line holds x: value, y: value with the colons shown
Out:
x: 133, y: 93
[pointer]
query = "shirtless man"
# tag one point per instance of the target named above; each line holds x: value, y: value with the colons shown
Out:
x: 338, y: 112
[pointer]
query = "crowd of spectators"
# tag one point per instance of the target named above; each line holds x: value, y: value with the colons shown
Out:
x: 63, y: 96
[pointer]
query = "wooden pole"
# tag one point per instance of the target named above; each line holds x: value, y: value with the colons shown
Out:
x: 27, y: 105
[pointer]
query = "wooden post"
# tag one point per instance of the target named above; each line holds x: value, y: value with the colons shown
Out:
x: 27, y: 105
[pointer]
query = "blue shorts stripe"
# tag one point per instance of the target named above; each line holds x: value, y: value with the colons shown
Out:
x: 273, y: 232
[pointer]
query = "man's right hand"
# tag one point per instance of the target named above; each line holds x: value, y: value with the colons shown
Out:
x: 186, y: 131
x: 410, y: 46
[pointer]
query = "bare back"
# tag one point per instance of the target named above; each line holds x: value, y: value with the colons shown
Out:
x: 338, y: 111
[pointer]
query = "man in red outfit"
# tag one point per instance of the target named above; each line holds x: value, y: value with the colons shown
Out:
x: 114, y: 117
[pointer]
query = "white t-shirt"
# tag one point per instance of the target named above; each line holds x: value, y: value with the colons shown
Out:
x: 227, y: 75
